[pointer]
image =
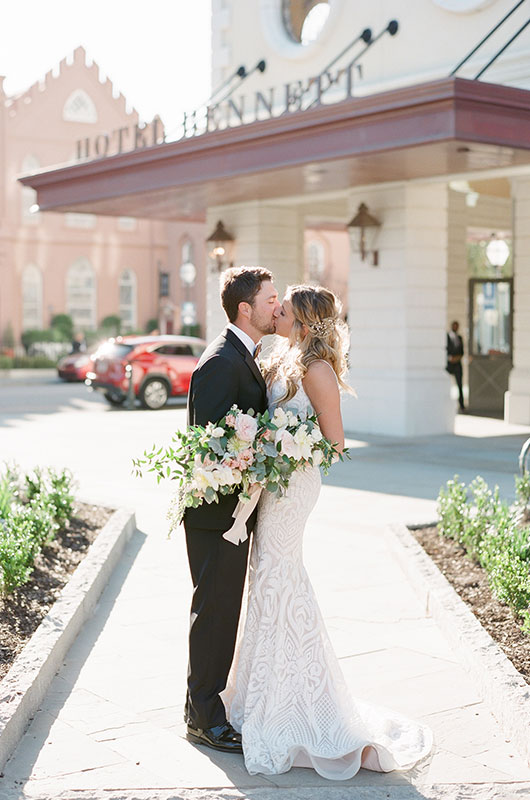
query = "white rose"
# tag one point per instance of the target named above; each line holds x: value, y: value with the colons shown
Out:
x: 279, y: 418
x: 203, y: 478
x: 217, y: 433
x: 223, y: 475
x: 316, y: 434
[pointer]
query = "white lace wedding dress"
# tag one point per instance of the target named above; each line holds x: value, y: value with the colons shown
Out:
x: 286, y: 693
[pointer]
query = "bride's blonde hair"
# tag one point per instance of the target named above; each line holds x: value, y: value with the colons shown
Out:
x: 327, y: 339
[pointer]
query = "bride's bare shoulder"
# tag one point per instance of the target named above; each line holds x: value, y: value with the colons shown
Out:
x: 320, y: 376
x: 319, y: 368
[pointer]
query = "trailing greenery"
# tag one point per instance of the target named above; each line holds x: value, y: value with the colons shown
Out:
x: 33, y: 508
x: 494, y: 534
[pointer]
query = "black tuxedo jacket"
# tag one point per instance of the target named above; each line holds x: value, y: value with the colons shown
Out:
x: 454, y: 349
x: 225, y: 375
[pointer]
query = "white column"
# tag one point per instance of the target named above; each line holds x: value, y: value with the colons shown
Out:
x: 398, y: 316
x: 267, y: 235
x: 517, y: 399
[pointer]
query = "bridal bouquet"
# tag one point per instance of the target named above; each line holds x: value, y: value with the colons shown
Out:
x: 243, y: 452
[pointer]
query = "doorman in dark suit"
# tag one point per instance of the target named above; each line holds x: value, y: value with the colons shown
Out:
x: 226, y: 375
x: 455, y: 352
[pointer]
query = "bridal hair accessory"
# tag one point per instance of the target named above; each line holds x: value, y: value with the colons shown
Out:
x: 243, y: 453
x: 323, y: 327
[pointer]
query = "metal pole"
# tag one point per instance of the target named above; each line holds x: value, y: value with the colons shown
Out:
x: 130, y: 387
x: 498, y: 53
x: 485, y: 39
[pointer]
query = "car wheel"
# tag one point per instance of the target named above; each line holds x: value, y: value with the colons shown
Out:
x: 154, y: 394
x: 114, y: 399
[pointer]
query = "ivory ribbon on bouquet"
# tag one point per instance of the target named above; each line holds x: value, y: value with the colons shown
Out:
x: 238, y: 531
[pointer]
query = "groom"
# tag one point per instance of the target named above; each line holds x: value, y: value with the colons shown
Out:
x: 226, y: 374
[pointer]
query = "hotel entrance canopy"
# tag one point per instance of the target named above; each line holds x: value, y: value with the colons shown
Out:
x: 446, y: 127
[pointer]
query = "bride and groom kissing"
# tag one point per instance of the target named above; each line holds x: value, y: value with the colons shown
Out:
x: 279, y: 696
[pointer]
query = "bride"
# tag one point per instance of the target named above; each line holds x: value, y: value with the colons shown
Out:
x: 286, y: 693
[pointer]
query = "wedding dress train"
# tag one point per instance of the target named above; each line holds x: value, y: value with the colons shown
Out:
x: 286, y: 693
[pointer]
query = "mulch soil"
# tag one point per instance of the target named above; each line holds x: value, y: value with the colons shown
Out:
x: 471, y: 583
x: 22, y: 611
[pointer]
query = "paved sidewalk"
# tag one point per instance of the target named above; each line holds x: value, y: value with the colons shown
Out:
x: 111, y: 725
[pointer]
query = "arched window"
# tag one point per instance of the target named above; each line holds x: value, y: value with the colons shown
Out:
x: 29, y: 196
x: 81, y: 294
x: 31, y: 298
x: 315, y: 260
x: 128, y: 313
x: 80, y: 107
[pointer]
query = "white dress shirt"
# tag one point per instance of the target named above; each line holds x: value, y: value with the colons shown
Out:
x: 244, y: 337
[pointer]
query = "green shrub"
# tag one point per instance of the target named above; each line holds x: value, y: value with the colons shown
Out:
x: 452, y: 509
x: 63, y: 326
x: 53, y: 489
x: 33, y: 362
x: 17, y: 552
x: 8, y: 337
x: 6, y: 362
x: 110, y: 326
x: 25, y: 527
x: 493, y: 533
x: 191, y: 330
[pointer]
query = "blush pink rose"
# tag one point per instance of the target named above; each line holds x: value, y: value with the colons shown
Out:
x: 246, y: 427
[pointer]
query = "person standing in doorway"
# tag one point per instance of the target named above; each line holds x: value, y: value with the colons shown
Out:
x: 455, y: 352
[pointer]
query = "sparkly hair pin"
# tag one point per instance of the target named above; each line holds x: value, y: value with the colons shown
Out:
x: 323, y: 327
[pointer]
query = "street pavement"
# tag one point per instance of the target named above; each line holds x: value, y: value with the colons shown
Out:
x: 111, y: 724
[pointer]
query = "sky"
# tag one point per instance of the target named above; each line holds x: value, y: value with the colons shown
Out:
x: 156, y: 53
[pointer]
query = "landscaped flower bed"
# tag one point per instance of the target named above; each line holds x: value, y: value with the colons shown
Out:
x: 482, y: 546
x: 44, y: 534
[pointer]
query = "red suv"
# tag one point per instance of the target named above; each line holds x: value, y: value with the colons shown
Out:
x: 161, y: 368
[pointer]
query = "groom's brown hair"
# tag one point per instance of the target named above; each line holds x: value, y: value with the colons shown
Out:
x: 241, y: 285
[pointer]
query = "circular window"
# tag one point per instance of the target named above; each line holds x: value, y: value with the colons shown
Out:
x: 298, y: 28
x: 304, y: 21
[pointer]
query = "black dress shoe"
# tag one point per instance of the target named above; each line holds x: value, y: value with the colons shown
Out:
x: 220, y: 737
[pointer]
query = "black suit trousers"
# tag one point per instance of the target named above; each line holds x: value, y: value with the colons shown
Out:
x: 218, y: 571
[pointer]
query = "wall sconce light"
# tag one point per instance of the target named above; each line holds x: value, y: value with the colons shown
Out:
x: 222, y: 246
x: 363, y: 230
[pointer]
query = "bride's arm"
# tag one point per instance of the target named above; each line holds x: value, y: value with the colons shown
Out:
x: 322, y: 389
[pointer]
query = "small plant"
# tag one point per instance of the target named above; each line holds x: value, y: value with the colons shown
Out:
x: 493, y: 533
x: 17, y: 552
x: 52, y: 489
x: 29, y: 519
x: 111, y: 325
x: 63, y: 325
x: 452, y: 509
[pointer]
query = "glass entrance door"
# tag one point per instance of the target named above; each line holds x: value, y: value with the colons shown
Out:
x: 490, y: 342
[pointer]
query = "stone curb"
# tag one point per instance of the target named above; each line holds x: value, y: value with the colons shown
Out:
x: 502, y: 687
x: 23, y: 688
x: 29, y: 375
